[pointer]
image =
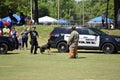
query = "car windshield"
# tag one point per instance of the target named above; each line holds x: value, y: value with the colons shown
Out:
x: 99, y: 31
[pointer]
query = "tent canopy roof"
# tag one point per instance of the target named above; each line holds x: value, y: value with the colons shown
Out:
x: 99, y: 20
x: 47, y: 19
x: 7, y: 18
x: 62, y: 21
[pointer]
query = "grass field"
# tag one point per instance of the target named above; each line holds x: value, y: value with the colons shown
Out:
x: 90, y: 65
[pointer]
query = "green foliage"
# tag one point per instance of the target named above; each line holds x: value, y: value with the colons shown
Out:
x: 5, y: 5
x: 69, y: 9
x: 51, y: 6
x: 93, y: 8
x: 65, y: 7
x: 43, y: 11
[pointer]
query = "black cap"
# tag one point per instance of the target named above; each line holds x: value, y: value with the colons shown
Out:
x: 73, y: 28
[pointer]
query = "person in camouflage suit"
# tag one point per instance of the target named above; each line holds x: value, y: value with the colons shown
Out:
x: 73, y: 43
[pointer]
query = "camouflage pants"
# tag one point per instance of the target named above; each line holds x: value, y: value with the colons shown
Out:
x: 73, y: 52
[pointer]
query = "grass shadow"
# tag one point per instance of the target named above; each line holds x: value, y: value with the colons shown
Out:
x: 93, y: 52
x: 58, y: 52
x: 48, y: 53
x: 10, y: 53
x: 79, y: 51
x: 81, y: 58
x: 78, y: 58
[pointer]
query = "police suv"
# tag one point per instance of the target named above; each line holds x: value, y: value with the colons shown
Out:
x: 7, y: 44
x: 89, y: 39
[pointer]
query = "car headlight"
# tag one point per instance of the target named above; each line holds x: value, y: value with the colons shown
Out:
x: 117, y: 39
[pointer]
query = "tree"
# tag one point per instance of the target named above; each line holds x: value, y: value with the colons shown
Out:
x: 36, y: 11
x: 69, y: 9
x: 7, y: 4
x: 91, y: 11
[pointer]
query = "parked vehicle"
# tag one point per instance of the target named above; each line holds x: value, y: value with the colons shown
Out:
x: 7, y: 44
x: 90, y: 39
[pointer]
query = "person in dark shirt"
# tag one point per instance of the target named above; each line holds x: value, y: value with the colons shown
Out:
x: 103, y: 19
x: 24, y: 34
x: 33, y: 41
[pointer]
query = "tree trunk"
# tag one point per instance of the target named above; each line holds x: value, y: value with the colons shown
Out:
x: 36, y: 11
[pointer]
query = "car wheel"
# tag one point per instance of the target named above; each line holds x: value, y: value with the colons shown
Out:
x: 3, y: 48
x: 62, y: 47
x: 108, y: 48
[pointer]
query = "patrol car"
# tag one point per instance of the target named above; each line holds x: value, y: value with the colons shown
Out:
x: 7, y: 44
x: 89, y: 39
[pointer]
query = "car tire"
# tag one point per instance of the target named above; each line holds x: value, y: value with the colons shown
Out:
x: 3, y: 48
x: 108, y: 48
x: 62, y: 47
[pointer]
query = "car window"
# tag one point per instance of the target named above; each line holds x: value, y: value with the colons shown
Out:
x: 91, y: 32
x: 79, y: 31
x: 84, y: 31
x: 68, y: 31
x: 87, y: 32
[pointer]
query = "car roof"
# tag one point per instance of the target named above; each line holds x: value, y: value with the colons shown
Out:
x: 69, y: 27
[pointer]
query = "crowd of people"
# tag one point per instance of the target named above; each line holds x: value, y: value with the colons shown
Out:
x: 20, y: 38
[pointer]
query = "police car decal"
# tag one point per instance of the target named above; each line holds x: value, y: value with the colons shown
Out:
x: 86, y: 40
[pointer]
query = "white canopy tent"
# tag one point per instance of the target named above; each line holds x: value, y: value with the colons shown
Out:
x: 47, y: 19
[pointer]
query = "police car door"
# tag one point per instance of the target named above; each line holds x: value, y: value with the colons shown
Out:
x: 88, y: 38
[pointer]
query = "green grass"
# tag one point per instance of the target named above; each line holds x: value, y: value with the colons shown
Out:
x: 90, y: 65
x: 112, y: 32
x: 20, y: 65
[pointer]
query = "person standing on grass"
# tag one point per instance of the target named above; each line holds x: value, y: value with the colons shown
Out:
x: 73, y: 43
x: 14, y: 35
x: 24, y: 34
x: 33, y: 41
x: 19, y: 41
x: 103, y: 19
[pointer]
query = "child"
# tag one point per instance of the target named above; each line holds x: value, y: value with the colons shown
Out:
x: 20, y: 42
